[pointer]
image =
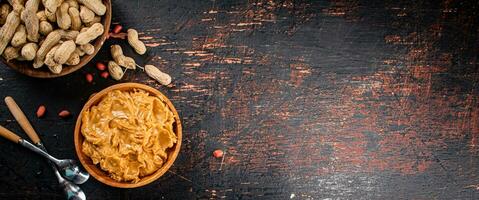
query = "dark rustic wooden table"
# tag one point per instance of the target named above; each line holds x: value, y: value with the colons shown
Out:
x: 340, y: 99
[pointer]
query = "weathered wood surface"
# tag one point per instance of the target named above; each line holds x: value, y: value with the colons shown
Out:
x: 340, y: 99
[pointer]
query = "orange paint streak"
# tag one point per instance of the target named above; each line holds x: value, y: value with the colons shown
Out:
x: 192, y: 64
x: 153, y: 44
x: 146, y: 38
x: 232, y: 60
x: 298, y: 72
x: 393, y: 39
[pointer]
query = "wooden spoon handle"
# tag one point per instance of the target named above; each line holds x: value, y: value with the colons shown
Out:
x: 9, y: 135
x: 22, y: 119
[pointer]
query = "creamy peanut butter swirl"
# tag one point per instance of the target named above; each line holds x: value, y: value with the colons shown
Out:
x: 128, y: 133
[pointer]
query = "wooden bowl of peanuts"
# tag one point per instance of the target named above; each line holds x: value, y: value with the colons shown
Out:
x: 124, y: 108
x: 52, y: 38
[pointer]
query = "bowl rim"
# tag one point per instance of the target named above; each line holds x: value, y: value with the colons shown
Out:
x: 24, y: 67
x: 78, y: 137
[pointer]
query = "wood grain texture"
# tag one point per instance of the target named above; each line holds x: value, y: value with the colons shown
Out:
x: 22, y: 120
x: 339, y: 99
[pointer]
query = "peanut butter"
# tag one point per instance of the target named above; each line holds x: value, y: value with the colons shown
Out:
x: 128, y: 133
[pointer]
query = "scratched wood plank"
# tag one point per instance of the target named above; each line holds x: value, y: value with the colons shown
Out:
x: 340, y: 99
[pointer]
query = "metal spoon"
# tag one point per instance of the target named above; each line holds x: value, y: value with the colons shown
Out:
x: 69, y: 168
x: 72, y: 191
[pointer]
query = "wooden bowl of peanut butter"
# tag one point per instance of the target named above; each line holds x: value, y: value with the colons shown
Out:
x: 128, y: 135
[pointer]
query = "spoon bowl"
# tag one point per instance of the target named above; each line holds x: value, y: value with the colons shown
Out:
x: 72, y: 191
x: 70, y: 170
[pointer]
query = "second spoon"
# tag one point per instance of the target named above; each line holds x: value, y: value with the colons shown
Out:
x: 68, y: 168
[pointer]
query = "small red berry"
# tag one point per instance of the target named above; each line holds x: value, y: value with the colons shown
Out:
x: 104, y: 74
x: 41, y: 111
x: 117, y: 28
x: 89, y: 78
x: 100, y: 66
x: 218, y: 153
x: 64, y: 114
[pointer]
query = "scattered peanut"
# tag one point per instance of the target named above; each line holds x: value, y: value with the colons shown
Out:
x: 50, y: 41
x: 115, y: 70
x: 45, y: 28
x: 8, y: 29
x: 104, y: 74
x: 20, y: 37
x: 120, y: 59
x: 128, y: 62
x: 64, y: 114
x: 88, y: 48
x: 92, y: 33
x: 86, y: 14
x: 100, y: 66
x: 218, y: 153
x: 64, y: 52
x: 41, y: 111
x: 89, y: 78
x: 4, y: 10
x: 134, y: 42
x: 64, y: 20
x: 158, y: 75
x: 94, y: 5
x: 29, y: 51
x: 29, y: 16
x: 117, y: 28
x: 75, y: 18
